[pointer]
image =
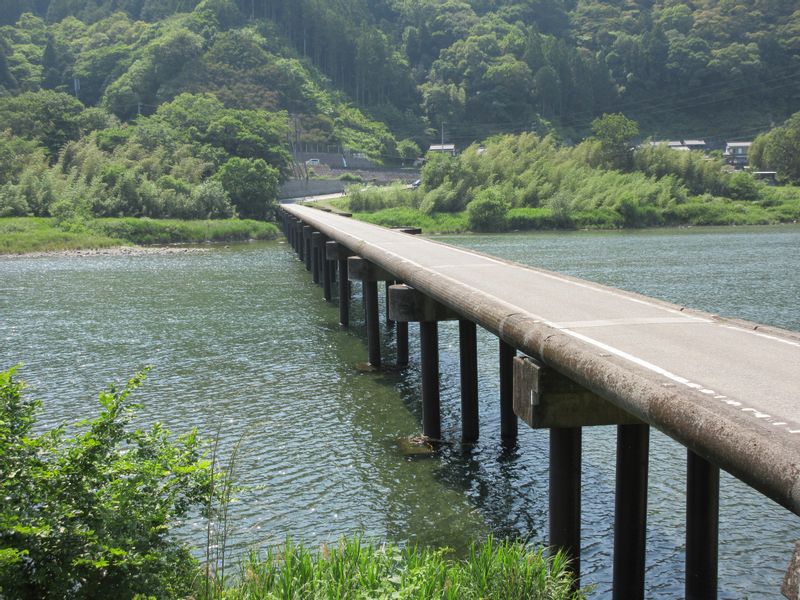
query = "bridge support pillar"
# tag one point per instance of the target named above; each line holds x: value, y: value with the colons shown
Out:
x: 307, y: 231
x: 316, y: 256
x: 702, y: 528
x: 429, y: 357
x: 565, y: 494
x: 630, y: 514
x: 544, y: 398
x: 508, y: 420
x: 299, y: 246
x: 407, y: 304
x: 468, y: 354
x: 335, y: 251
x: 389, y: 283
x: 401, y: 330
x: 369, y: 274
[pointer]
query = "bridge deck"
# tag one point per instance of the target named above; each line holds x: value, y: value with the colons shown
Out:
x: 726, y: 389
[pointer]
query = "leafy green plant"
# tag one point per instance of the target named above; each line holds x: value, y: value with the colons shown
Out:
x: 358, y: 569
x: 87, y: 513
x: 487, y: 212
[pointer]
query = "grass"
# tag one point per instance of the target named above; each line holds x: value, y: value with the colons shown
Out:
x: 356, y: 569
x: 20, y: 235
x: 173, y: 231
x: 412, y: 217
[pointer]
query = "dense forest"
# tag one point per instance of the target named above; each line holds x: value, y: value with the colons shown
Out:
x: 181, y: 108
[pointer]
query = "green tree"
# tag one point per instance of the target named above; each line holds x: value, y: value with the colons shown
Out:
x: 408, y: 150
x: 616, y: 134
x: 779, y: 150
x: 88, y: 515
x: 47, y: 116
x: 252, y: 185
x: 487, y: 212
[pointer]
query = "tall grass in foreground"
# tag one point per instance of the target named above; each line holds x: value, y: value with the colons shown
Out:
x: 358, y: 570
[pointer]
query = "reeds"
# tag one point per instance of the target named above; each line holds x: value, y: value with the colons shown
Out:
x: 355, y: 569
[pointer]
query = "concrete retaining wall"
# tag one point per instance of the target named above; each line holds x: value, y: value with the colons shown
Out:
x: 298, y: 188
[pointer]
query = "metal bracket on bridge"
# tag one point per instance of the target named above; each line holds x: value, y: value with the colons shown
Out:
x: 359, y: 269
x: 407, y: 304
x: 545, y: 398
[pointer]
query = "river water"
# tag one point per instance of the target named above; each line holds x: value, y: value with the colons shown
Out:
x: 242, y: 343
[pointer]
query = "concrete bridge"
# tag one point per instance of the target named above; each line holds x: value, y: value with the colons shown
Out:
x: 589, y: 355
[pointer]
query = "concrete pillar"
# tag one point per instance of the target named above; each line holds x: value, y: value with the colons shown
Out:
x: 630, y: 511
x: 702, y: 528
x: 369, y: 274
x: 508, y: 420
x: 316, y: 256
x: 307, y: 231
x: 405, y: 305
x: 335, y: 251
x: 565, y: 495
x: 467, y: 342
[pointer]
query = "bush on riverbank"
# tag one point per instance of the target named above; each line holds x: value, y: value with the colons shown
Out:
x: 87, y: 511
x: 165, y: 231
x: 518, y: 182
x: 34, y: 234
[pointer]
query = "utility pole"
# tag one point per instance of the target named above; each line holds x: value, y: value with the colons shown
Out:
x: 442, y: 136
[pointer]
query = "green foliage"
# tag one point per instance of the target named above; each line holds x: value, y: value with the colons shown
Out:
x: 251, y: 185
x: 545, y: 185
x: 779, y: 150
x: 616, y: 134
x: 355, y: 569
x: 86, y: 513
x: 49, y: 117
x: 35, y: 234
x: 487, y: 212
x: 526, y: 218
x: 162, y: 231
x: 411, y: 217
x: 373, y: 199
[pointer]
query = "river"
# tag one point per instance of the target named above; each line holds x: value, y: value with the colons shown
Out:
x: 242, y: 343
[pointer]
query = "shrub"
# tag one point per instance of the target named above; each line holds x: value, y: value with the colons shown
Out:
x: 487, y: 212
x: 530, y: 218
x: 87, y: 515
x: 351, y: 177
x: 372, y: 199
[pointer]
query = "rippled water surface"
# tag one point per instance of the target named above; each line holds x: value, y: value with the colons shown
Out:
x: 242, y: 343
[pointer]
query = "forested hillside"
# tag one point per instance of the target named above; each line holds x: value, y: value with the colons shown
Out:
x: 102, y: 98
x: 708, y: 67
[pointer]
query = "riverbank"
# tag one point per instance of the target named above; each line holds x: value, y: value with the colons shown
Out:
x: 37, y: 235
x: 698, y: 212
